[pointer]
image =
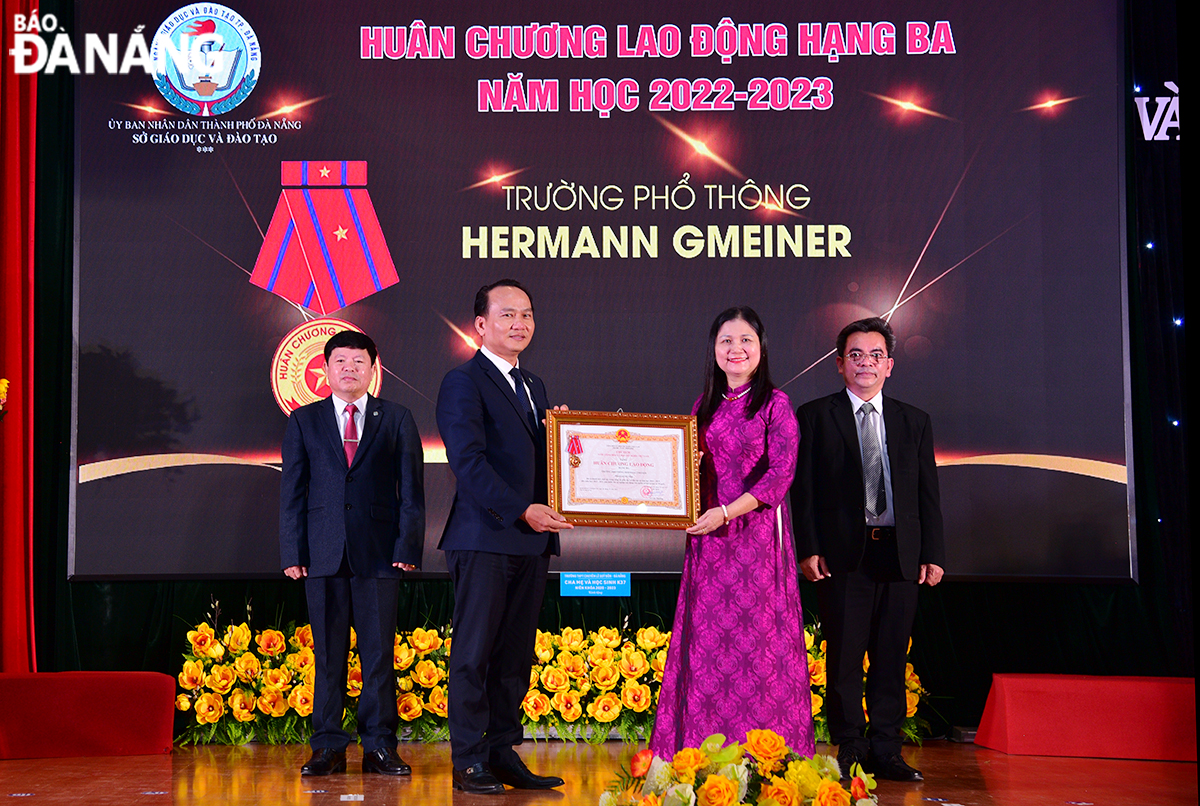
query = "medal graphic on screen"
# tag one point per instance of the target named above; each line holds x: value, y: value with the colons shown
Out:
x: 298, y: 368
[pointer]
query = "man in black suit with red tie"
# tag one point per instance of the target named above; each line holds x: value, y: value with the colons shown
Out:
x: 498, y: 541
x: 868, y: 526
x: 351, y: 516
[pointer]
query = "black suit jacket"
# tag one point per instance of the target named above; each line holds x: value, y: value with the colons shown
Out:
x: 828, y: 509
x: 498, y: 461
x: 373, y: 510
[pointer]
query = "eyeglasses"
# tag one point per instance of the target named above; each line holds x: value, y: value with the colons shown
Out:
x: 859, y: 357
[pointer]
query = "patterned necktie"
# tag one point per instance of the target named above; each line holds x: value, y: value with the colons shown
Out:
x: 872, y: 456
x: 350, y: 440
x: 519, y: 383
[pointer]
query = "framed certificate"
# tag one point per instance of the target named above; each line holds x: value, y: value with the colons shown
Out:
x: 616, y: 469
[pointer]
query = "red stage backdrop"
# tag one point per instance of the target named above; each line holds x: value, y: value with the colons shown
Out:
x: 640, y: 167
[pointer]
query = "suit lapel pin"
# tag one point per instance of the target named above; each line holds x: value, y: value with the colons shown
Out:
x: 375, y: 413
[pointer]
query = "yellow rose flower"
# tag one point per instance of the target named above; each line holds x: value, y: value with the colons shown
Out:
x: 571, y: 638
x: 866, y: 662
x: 636, y: 696
x: 302, y: 660
x: 649, y: 638
x: 572, y: 664
x: 303, y: 637
x: 913, y: 699
x: 816, y: 672
x: 650, y: 800
x: 831, y: 793
x: 353, y: 639
x: 279, y: 677
x: 687, y: 762
x: 409, y: 706
x: 426, y: 674
x: 246, y: 667
x: 605, y: 708
x: 425, y: 641
x: 803, y: 776
x: 599, y: 654
x: 403, y: 656
x: 301, y: 700
x: 817, y: 703
x: 543, y: 647
x: 783, y: 792
x: 192, y: 675
x: 567, y: 705
x: 437, y: 704
x: 606, y: 677
x: 607, y: 637
x: 205, y: 643
x: 535, y: 705
x: 767, y: 747
x: 271, y: 643
x: 272, y: 702
x: 354, y: 681
x: 310, y: 675
x: 209, y: 708
x: 446, y: 644
x: 237, y: 639
x: 220, y: 678
x: 183, y: 702
x: 241, y: 705
x: 718, y: 791
x: 405, y: 683
x: 633, y: 664
x: 659, y: 665
x: 555, y: 679
x: 808, y: 639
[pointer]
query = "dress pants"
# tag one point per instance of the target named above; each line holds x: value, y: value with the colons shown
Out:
x: 497, y: 599
x: 870, y: 609
x: 331, y: 601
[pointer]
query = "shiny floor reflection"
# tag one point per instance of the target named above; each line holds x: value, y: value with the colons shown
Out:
x: 260, y: 774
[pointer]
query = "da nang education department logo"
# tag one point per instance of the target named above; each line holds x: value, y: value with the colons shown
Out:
x: 211, y: 60
x: 298, y: 368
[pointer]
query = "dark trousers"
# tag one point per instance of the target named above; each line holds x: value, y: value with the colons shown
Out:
x: 497, y: 598
x: 868, y: 610
x: 331, y: 602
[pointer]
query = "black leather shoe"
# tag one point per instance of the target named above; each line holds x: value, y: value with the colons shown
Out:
x: 849, y: 755
x: 325, y: 761
x: 477, y: 780
x: 511, y: 770
x: 385, y: 761
x: 892, y: 767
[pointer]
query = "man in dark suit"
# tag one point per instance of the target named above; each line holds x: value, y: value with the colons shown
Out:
x: 351, y: 515
x: 498, y: 541
x: 868, y: 522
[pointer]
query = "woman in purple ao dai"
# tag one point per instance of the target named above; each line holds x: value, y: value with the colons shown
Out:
x: 738, y: 660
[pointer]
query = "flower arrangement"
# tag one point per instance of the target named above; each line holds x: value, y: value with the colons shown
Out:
x: 243, y: 685
x: 762, y: 771
x: 3, y: 395
x: 587, y: 687
x: 914, y: 726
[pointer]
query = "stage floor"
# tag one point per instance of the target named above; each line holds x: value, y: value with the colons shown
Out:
x: 260, y: 774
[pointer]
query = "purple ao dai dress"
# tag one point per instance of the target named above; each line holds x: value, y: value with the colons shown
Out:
x: 737, y: 659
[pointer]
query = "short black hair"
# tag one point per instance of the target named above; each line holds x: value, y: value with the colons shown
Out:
x: 353, y: 340
x: 481, y: 296
x: 873, y: 325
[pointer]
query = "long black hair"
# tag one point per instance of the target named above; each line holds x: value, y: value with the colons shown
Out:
x: 715, y: 384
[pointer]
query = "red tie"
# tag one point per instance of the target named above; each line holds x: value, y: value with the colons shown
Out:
x: 351, y: 436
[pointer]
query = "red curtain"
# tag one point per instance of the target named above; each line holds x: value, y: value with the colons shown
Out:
x: 18, y: 130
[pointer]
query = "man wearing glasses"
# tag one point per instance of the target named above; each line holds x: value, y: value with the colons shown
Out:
x: 868, y: 527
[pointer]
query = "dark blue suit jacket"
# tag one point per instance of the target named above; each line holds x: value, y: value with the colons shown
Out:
x: 497, y: 460
x: 827, y: 495
x: 374, y: 510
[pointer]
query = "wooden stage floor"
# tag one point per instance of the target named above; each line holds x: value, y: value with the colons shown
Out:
x: 260, y: 774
